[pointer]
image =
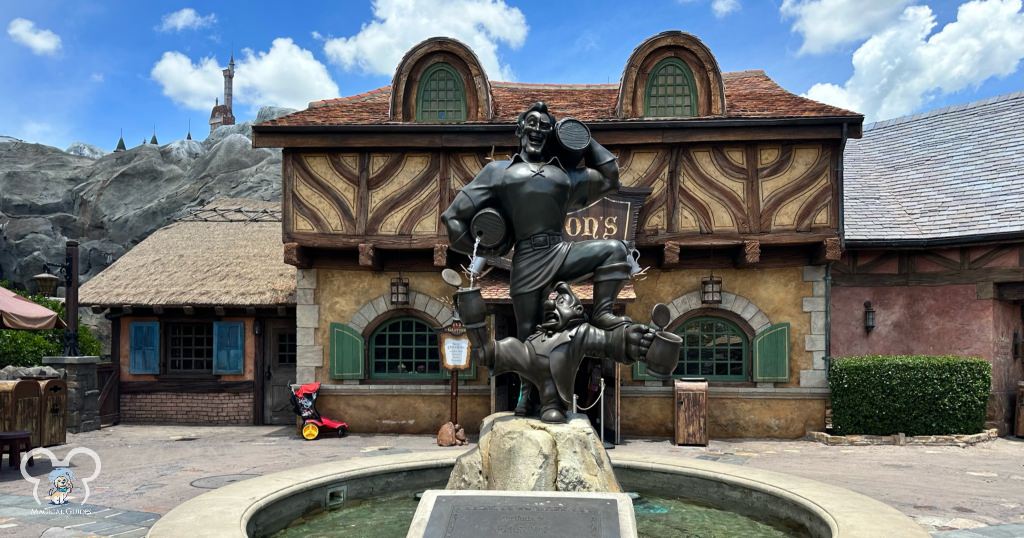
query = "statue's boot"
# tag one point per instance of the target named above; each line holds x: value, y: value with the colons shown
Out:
x: 608, y: 282
x: 553, y: 416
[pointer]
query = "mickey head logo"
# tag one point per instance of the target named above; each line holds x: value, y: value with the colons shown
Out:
x: 56, y: 462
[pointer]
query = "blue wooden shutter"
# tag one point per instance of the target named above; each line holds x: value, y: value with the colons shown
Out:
x: 346, y: 352
x: 228, y: 347
x: 144, y: 347
x: 771, y: 354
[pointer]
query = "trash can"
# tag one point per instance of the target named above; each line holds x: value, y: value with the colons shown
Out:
x: 1020, y: 409
x: 19, y: 407
x: 691, y: 412
x: 53, y: 412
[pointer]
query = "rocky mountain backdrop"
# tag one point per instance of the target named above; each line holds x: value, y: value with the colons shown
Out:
x: 110, y: 202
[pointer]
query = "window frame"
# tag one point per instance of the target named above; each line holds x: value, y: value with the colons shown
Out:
x: 717, y: 315
x: 370, y: 347
x: 687, y: 74
x: 165, y: 349
x: 421, y: 88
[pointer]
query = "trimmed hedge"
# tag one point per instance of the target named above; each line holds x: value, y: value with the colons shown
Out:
x: 27, y: 348
x: 914, y: 395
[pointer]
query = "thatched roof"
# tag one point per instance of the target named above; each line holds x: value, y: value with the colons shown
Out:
x: 224, y: 260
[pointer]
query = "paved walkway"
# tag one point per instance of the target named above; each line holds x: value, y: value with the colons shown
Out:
x: 147, y: 470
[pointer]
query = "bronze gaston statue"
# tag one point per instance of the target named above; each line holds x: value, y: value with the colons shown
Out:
x: 523, y: 203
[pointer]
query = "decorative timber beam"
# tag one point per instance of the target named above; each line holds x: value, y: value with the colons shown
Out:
x: 297, y: 256
x: 366, y: 255
x: 751, y: 253
x: 671, y: 253
x: 440, y: 255
x: 218, y: 310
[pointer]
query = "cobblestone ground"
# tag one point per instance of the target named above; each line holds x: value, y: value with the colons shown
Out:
x: 147, y: 470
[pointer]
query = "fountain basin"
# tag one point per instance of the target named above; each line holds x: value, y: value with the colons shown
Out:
x: 263, y: 505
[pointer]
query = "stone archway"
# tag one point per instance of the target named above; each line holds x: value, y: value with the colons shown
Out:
x: 737, y: 304
x: 427, y: 305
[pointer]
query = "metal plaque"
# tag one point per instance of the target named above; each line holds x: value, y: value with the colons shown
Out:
x: 536, y: 517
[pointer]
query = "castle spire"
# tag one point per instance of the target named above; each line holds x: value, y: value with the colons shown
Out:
x: 153, y: 140
x: 120, y: 143
x: 189, y: 135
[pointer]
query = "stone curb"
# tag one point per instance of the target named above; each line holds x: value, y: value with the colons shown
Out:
x: 226, y: 512
x: 900, y: 439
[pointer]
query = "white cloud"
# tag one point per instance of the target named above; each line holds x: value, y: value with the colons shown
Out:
x: 721, y: 8
x: 41, y: 41
x: 185, y: 19
x: 400, y: 24
x: 286, y: 75
x: 828, y: 24
x: 899, y: 69
x: 96, y: 77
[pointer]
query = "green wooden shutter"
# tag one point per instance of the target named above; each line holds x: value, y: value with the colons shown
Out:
x: 228, y: 347
x: 346, y: 352
x: 144, y: 347
x: 771, y: 354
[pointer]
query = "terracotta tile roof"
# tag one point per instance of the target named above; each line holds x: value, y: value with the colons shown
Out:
x: 495, y: 289
x: 748, y: 94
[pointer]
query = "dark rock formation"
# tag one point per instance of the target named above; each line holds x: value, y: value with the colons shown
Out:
x: 110, y: 203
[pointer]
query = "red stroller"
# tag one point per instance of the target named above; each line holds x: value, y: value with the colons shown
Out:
x: 304, y: 404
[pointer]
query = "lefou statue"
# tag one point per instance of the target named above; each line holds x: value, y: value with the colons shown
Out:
x: 550, y: 357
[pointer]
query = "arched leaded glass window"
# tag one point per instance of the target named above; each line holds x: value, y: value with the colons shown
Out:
x: 441, y: 96
x: 404, y: 347
x: 671, y: 91
x: 714, y: 348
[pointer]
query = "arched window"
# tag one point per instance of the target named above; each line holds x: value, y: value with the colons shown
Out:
x: 670, y: 90
x: 441, y: 96
x: 404, y: 347
x: 714, y: 348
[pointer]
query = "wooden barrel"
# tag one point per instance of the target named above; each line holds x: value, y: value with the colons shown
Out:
x: 19, y: 407
x: 53, y: 413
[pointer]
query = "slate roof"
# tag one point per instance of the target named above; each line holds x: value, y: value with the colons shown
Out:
x: 950, y: 173
x: 748, y: 94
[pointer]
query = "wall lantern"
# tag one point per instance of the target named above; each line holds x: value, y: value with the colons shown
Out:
x: 399, y: 291
x: 711, y: 289
x: 869, y: 317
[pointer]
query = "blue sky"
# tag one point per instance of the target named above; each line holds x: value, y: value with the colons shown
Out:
x: 84, y: 70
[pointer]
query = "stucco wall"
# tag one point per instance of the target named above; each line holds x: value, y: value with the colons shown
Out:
x: 728, y: 417
x: 921, y: 320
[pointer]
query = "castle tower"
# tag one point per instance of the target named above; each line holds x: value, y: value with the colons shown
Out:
x: 120, y: 143
x: 223, y: 114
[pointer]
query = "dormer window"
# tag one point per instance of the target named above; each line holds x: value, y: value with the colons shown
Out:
x: 441, y: 96
x: 671, y: 91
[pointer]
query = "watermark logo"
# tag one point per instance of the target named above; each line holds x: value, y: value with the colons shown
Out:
x: 62, y: 480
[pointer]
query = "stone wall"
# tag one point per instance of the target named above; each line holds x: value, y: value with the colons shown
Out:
x: 206, y: 409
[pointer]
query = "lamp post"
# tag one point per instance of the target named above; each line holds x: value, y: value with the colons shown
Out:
x: 47, y: 284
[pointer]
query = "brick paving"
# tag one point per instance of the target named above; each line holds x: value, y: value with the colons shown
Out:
x: 147, y: 470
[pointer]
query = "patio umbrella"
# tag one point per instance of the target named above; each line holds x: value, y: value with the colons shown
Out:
x: 17, y: 312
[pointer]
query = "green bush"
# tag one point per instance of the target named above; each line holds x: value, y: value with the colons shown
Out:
x: 27, y: 348
x: 914, y: 395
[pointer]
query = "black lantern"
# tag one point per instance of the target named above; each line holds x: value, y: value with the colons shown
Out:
x: 869, y: 317
x: 399, y: 291
x: 46, y: 282
x: 711, y: 289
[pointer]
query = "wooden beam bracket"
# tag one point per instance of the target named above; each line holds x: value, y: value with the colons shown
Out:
x: 297, y: 256
x: 671, y: 253
x: 366, y: 255
x: 440, y: 255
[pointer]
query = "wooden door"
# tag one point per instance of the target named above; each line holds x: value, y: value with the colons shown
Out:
x: 110, y: 400
x: 278, y: 374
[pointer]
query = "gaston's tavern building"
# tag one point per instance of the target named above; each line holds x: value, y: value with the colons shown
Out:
x: 731, y: 191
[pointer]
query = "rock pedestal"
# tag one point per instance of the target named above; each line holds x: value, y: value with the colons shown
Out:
x: 525, y: 454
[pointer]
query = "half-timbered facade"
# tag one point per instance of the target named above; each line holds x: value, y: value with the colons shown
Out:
x: 738, y: 178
